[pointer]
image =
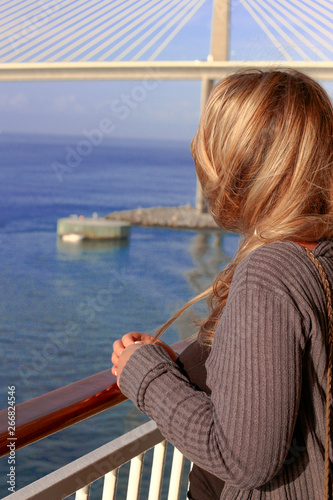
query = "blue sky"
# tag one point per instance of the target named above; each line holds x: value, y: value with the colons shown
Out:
x: 169, y: 109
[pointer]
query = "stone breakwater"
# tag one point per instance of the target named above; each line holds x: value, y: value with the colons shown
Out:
x: 183, y: 217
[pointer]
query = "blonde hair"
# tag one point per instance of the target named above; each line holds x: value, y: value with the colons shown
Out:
x: 264, y: 157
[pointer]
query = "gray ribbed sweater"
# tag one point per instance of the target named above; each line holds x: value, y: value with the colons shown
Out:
x: 262, y: 429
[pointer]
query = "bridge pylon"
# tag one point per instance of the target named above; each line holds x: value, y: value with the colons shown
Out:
x: 219, y: 51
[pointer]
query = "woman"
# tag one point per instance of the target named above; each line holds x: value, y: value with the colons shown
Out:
x: 264, y: 157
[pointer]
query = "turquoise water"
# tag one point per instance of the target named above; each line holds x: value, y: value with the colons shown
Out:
x: 104, y: 290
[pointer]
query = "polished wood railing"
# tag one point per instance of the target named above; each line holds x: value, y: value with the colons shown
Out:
x: 47, y: 414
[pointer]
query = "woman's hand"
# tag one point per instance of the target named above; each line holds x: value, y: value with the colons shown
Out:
x: 124, y: 348
x: 129, y: 339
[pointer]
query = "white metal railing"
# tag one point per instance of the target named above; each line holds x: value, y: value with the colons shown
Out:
x: 105, y: 461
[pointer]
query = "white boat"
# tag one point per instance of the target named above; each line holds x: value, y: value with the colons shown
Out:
x: 72, y: 238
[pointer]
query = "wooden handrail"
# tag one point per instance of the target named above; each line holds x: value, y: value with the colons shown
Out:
x: 42, y: 416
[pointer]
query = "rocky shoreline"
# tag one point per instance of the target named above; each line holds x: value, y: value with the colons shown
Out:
x: 182, y: 217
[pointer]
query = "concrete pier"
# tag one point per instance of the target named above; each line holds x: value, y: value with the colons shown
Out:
x: 75, y: 228
x: 181, y: 217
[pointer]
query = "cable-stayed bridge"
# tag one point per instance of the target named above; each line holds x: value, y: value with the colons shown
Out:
x: 126, y: 39
x: 298, y: 29
x: 85, y: 39
x: 89, y: 31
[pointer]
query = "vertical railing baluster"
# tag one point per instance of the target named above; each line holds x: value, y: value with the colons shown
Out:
x: 176, y: 475
x: 134, y: 479
x: 157, y: 469
x: 188, y: 479
x: 83, y: 493
x: 116, y: 454
x: 110, y: 485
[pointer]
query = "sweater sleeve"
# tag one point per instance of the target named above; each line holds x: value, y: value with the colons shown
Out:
x: 243, y: 431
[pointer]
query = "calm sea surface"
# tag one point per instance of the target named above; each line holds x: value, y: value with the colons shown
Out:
x: 104, y: 290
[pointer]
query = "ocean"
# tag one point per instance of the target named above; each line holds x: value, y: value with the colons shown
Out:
x: 47, y: 284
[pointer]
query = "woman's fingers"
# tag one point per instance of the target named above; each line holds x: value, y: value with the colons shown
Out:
x: 135, y: 338
x: 147, y: 339
x: 130, y: 338
x: 118, y: 347
x: 114, y: 359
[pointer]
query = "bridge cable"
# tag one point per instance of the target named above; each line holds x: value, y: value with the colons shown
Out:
x: 266, y: 30
x: 176, y: 30
x: 299, y: 35
x: 161, y: 13
x: 160, y: 33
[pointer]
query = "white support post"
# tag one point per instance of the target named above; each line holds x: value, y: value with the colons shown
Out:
x: 188, y: 482
x: 134, y: 479
x: 176, y: 475
x: 110, y: 485
x: 83, y: 493
x: 157, y: 471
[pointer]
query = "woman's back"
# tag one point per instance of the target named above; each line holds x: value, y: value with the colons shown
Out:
x: 273, y: 375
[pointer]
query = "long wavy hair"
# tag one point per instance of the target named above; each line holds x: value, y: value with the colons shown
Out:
x: 264, y: 157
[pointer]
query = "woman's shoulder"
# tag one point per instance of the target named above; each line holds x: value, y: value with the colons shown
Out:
x: 282, y: 266
x: 287, y: 253
x: 271, y: 257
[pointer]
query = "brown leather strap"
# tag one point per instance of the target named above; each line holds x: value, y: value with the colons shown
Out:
x: 328, y: 295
